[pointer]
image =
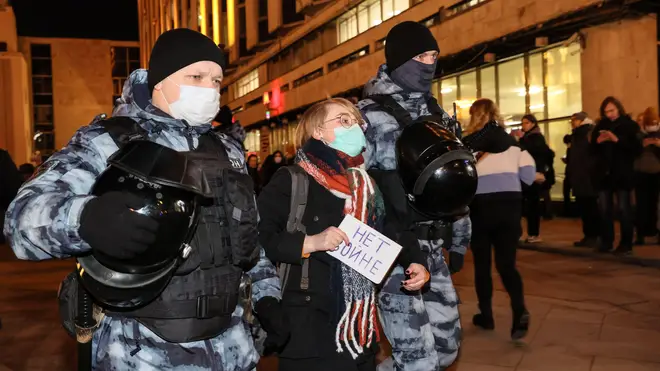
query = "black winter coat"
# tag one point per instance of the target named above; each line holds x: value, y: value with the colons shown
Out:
x: 312, y: 313
x: 614, y: 162
x: 581, y: 163
x: 534, y: 143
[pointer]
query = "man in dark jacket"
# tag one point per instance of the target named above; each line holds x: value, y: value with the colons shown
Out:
x: 10, y: 182
x: 615, y: 143
x: 578, y: 173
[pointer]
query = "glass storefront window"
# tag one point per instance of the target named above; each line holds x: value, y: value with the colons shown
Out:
x: 554, y: 135
x: 536, y: 99
x: 564, y: 81
x: 511, y: 76
x: 448, y: 93
x: 488, y: 88
x: 468, y: 94
x: 253, y: 141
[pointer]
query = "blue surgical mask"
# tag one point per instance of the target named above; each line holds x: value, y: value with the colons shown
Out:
x: 351, y: 141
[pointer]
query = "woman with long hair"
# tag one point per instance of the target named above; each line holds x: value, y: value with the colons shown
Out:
x: 496, y: 212
x: 331, y: 317
x: 615, y: 144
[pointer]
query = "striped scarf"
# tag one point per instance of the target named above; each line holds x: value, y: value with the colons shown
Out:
x: 346, y: 178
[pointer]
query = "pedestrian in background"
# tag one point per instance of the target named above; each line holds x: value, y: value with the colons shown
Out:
x: 647, y: 178
x: 578, y: 171
x: 615, y: 143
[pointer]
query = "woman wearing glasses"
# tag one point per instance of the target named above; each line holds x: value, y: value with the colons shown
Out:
x: 332, y: 311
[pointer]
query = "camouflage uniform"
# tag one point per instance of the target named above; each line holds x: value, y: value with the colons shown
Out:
x: 424, y: 330
x: 42, y: 223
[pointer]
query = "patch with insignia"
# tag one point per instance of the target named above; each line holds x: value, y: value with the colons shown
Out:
x: 236, y: 163
x: 44, y: 168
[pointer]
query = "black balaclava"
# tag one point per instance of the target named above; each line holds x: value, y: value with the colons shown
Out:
x: 404, y: 42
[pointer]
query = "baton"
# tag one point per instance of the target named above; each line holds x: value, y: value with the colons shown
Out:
x: 85, y: 324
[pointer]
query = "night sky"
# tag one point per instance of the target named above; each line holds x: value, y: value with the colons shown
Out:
x: 89, y: 19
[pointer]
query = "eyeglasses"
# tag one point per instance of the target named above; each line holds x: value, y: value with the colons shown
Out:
x: 345, y: 120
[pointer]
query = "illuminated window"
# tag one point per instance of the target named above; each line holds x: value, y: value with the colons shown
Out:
x: 448, y: 92
x: 253, y: 141
x: 564, y: 81
x: 468, y: 94
x: 367, y: 14
x: 247, y: 83
x: 536, y: 91
x: 511, y: 76
x: 488, y: 88
x: 347, y: 26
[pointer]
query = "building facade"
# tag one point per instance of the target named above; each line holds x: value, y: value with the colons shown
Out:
x: 549, y: 58
x: 53, y: 86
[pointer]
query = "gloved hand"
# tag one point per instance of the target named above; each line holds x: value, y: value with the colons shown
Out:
x: 455, y: 262
x: 108, y: 225
x: 271, y: 316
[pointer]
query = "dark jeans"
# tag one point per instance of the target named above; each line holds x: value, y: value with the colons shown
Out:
x: 606, y: 208
x: 533, y: 209
x: 646, y: 195
x: 588, y: 207
x: 496, y: 226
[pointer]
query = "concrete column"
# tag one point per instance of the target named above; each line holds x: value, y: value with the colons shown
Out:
x: 621, y: 59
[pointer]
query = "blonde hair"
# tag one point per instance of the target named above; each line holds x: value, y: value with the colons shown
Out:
x: 314, y: 118
x: 482, y: 112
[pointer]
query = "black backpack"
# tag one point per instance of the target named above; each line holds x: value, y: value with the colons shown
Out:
x: 299, y: 191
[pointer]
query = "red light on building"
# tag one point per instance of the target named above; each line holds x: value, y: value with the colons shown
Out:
x: 266, y: 98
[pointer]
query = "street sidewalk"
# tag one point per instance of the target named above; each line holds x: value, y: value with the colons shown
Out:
x: 559, y: 234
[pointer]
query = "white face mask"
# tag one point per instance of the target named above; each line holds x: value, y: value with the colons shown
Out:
x: 652, y: 129
x: 196, y: 105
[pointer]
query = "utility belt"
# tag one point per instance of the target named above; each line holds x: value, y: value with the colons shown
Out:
x: 201, y: 317
x: 433, y: 231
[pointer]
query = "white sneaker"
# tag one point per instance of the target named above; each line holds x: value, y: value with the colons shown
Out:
x: 533, y: 239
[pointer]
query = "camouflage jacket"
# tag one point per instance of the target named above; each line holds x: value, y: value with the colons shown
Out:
x: 43, y: 220
x: 382, y: 132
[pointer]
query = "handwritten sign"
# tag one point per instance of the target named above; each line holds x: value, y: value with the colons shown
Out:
x: 369, y: 252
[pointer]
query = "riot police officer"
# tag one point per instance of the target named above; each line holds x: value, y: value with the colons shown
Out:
x: 395, y: 99
x: 197, y: 320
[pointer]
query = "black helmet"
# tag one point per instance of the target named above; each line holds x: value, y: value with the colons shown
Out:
x: 171, y: 186
x: 438, y: 172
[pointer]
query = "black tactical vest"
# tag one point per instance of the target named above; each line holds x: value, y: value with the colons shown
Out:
x: 204, y: 292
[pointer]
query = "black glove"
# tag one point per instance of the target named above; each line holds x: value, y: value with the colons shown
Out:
x: 107, y: 225
x: 271, y: 316
x: 455, y: 262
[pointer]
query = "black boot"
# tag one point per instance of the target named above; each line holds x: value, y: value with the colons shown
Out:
x: 520, y: 325
x: 486, y: 322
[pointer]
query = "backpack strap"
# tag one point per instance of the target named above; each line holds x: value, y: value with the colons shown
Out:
x: 122, y: 129
x: 392, y: 107
x: 299, y: 191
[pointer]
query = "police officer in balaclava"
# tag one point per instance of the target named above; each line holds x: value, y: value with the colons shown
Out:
x: 197, y: 321
x: 399, y: 94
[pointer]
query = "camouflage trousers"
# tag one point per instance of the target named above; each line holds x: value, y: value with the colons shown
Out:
x: 122, y: 344
x: 423, y: 329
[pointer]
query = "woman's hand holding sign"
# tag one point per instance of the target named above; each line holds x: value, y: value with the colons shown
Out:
x: 328, y: 240
x: 418, y: 277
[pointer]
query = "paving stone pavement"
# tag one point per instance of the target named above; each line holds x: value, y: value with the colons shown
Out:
x: 586, y: 315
